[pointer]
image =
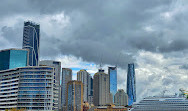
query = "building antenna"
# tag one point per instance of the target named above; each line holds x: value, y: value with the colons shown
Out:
x: 117, y: 60
x: 101, y: 62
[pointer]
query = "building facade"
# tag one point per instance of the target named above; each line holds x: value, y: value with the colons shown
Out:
x: 101, y: 88
x: 31, y: 41
x: 112, y: 71
x: 90, y: 97
x: 13, y: 58
x: 121, y: 98
x: 29, y: 88
x: 162, y: 103
x: 74, y: 98
x: 66, y: 77
x: 84, y: 76
x: 131, y: 84
x: 111, y: 108
x: 56, y: 85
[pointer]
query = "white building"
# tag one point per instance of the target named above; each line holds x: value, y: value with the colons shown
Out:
x: 121, y: 98
x: 164, y: 103
x: 56, y: 85
x: 101, y: 89
x: 30, y: 88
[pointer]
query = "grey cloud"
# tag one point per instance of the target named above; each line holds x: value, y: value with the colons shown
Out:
x: 184, y: 66
x: 105, y: 29
x: 12, y: 35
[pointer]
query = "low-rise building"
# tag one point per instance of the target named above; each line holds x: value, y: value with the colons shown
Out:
x: 111, y: 108
x: 162, y: 103
x: 121, y: 98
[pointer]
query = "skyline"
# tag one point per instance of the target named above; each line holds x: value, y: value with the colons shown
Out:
x: 160, y: 54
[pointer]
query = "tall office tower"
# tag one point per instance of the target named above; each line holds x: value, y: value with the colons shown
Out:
x: 131, y: 84
x: 57, y: 66
x: 31, y: 41
x: 84, y: 76
x: 27, y: 87
x: 121, y: 98
x: 90, y: 97
x: 74, y: 99
x: 112, y: 71
x: 13, y: 58
x: 101, y: 88
x: 66, y: 77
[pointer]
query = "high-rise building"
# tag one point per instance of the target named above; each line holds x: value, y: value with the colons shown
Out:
x: 31, y: 41
x: 121, y: 98
x: 131, y: 84
x: 101, y: 91
x: 90, y: 97
x: 30, y: 88
x: 112, y: 71
x: 84, y: 76
x: 66, y: 77
x: 13, y: 58
x: 56, y: 85
x: 74, y: 99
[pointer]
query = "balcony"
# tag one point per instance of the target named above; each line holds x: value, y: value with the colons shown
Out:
x: 10, y: 80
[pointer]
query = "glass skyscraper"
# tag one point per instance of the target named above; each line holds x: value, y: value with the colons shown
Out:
x: 31, y: 41
x: 131, y: 84
x: 112, y: 71
x: 13, y: 58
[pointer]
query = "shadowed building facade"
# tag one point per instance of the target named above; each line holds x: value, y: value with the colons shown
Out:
x: 101, y: 88
x: 74, y: 99
x: 66, y: 77
x: 131, y: 84
x: 31, y: 41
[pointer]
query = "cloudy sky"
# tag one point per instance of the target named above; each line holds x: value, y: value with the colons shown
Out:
x: 153, y: 34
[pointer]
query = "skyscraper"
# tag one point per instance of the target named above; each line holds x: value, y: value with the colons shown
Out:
x: 13, y: 58
x: 74, y: 99
x: 121, y: 98
x: 112, y: 71
x: 66, y: 77
x: 90, y: 98
x: 101, y: 91
x: 56, y: 93
x: 31, y: 41
x: 83, y: 76
x: 131, y: 84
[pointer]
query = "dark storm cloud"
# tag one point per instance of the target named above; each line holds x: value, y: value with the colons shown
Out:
x: 107, y: 29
